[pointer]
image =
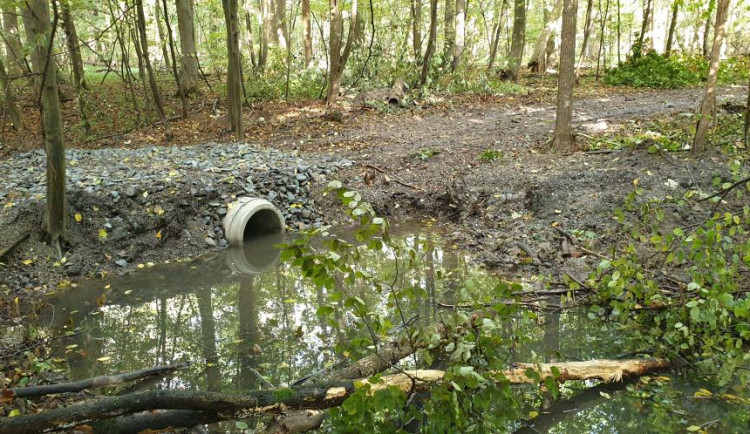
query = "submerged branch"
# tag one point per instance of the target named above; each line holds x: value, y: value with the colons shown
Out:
x: 220, y: 406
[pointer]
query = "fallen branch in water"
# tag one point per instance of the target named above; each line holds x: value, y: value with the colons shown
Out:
x: 320, y: 396
x: 90, y: 383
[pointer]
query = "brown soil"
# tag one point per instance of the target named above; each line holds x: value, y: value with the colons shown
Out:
x: 503, y: 210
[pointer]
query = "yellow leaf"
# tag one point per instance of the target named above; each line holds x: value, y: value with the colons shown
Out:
x: 103, y: 359
x: 28, y: 262
x: 102, y: 234
x: 701, y: 393
x: 141, y: 266
x: 79, y: 217
x: 158, y: 235
x: 70, y: 347
x: 158, y: 210
x: 13, y: 413
x: 107, y: 286
x: 533, y: 414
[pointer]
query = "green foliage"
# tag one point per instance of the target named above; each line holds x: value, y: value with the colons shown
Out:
x: 426, y: 153
x: 656, y: 71
x: 489, y: 155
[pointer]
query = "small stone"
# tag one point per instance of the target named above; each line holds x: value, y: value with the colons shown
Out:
x: 121, y: 262
x: 130, y: 191
x: 186, y: 234
x: 221, y: 211
x: 210, y: 241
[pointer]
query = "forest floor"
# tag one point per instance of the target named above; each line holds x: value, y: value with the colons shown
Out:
x: 479, y: 167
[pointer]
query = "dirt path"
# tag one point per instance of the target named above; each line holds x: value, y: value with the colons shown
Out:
x: 496, y: 207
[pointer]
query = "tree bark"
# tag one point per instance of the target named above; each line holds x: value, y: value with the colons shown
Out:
x: 416, y: 28
x: 282, y: 33
x: 267, y: 33
x: 10, y: 99
x: 320, y: 396
x: 672, y: 27
x: 12, y: 37
x: 708, y: 106
x: 155, y: 93
x: 162, y: 38
x: 307, y: 32
x: 189, y: 58
x: 173, y: 56
x: 449, y: 30
x: 71, y: 41
x: 539, y: 58
x: 563, y: 140
x: 249, y: 33
x: 430, y: 42
x: 602, y: 29
x: 519, y: 38
x: 38, y: 24
x: 458, y: 48
x: 587, y: 29
x: 234, y: 83
x: 338, y: 57
x: 747, y: 118
x: 707, y: 28
x: 644, y: 39
x: 496, y: 35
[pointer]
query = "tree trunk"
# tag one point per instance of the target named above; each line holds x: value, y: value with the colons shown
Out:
x: 249, y: 33
x: 161, y: 33
x: 708, y: 106
x: 38, y: 25
x: 234, y: 83
x: 449, y: 30
x: 644, y: 40
x: 175, y: 73
x: 587, y: 29
x: 602, y: 29
x: 458, y: 48
x: 430, y: 42
x: 494, y: 42
x: 519, y: 38
x: 707, y: 28
x: 10, y: 99
x: 337, y: 57
x: 563, y: 140
x: 747, y: 118
x: 267, y: 33
x: 672, y: 27
x: 189, y: 58
x: 155, y: 93
x: 282, y: 33
x: 307, y: 32
x: 539, y: 58
x: 619, y: 32
x: 74, y: 49
x: 416, y: 26
x: 12, y: 37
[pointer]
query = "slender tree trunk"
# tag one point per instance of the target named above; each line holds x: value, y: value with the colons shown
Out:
x: 155, y: 93
x: 337, y: 57
x: 282, y: 33
x: 10, y: 99
x: 173, y: 56
x: 707, y: 28
x: 747, y: 118
x: 307, y: 32
x: 267, y: 33
x: 619, y: 32
x: 234, y: 84
x: 519, y: 38
x: 416, y: 28
x: 539, y: 58
x: 644, y: 36
x: 449, y: 30
x: 161, y: 33
x: 71, y: 40
x: 602, y: 29
x: 458, y: 48
x: 125, y: 59
x: 672, y: 27
x: 495, y: 39
x: 12, y: 37
x: 708, y: 106
x: 563, y: 140
x: 38, y: 24
x: 189, y: 58
x: 430, y: 42
x: 249, y: 33
x: 587, y: 29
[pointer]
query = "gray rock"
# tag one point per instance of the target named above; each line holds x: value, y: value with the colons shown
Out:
x: 121, y: 262
x: 210, y: 241
x: 130, y: 191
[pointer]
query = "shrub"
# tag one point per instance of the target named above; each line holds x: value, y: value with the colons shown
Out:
x: 657, y: 71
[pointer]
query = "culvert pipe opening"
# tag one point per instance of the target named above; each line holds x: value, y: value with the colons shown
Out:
x: 250, y: 218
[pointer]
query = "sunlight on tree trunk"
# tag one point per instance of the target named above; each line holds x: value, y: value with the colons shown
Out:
x: 449, y: 30
x: 519, y: 38
x: 563, y: 140
x: 307, y: 32
x: 458, y: 48
x: 539, y: 58
x: 56, y: 217
x: 234, y: 83
x: 708, y: 106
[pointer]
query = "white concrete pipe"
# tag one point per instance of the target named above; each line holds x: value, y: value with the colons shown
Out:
x: 250, y: 217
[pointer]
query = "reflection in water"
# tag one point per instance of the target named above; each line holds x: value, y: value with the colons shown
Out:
x: 245, y: 321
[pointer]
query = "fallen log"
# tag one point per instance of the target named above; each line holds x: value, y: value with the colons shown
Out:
x: 316, y: 397
x: 90, y: 383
